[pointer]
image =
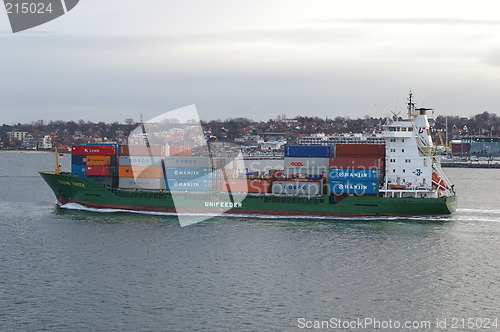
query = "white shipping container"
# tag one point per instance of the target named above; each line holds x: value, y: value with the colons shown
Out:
x: 139, y: 161
x: 306, y: 162
x: 187, y: 162
x: 306, y: 170
x: 141, y: 183
x: 298, y: 187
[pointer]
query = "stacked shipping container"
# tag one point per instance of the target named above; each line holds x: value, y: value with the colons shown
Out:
x: 306, y: 161
x: 304, y: 169
x: 95, y: 161
x: 140, y: 167
x: 188, y: 173
x: 356, y: 169
x: 165, y: 167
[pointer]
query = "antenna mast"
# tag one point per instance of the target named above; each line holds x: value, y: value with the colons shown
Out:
x: 57, y: 167
x: 411, y: 106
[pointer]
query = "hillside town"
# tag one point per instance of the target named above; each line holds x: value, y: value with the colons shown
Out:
x: 476, y: 135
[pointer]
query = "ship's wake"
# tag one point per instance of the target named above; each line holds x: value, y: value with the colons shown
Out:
x: 477, y: 215
x: 76, y: 206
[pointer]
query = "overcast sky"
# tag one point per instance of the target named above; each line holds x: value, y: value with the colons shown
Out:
x: 108, y: 60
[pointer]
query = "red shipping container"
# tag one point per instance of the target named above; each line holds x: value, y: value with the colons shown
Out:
x: 235, y: 185
x: 142, y: 150
x: 360, y: 149
x: 259, y: 186
x: 140, y: 172
x: 251, y: 186
x: 94, y: 150
x: 299, y: 180
x: 366, y: 156
x: 98, y: 170
x: 364, y: 163
x: 179, y: 150
x: 276, y: 173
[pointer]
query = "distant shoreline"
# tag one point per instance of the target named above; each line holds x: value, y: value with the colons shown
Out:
x: 470, y: 165
x: 24, y: 151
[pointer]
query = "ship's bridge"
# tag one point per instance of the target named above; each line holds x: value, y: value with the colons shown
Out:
x: 398, y: 129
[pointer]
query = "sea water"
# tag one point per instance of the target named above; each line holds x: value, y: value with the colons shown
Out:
x: 72, y: 270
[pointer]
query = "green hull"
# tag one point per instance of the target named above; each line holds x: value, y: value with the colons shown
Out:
x: 85, y: 191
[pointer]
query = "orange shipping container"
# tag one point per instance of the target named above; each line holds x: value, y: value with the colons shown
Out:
x: 141, y: 172
x: 98, y: 160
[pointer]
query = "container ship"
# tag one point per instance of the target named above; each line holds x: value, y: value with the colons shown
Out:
x: 399, y: 178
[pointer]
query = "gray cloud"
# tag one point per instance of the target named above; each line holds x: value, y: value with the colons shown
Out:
x: 316, y: 72
x: 411, y: 20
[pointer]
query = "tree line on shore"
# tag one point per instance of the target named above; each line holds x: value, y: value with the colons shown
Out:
x: 70, y: 132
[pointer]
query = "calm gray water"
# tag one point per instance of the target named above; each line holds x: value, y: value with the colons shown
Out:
x: 69, y: 270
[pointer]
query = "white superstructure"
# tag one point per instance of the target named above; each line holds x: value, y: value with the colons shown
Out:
x: 412, y: 167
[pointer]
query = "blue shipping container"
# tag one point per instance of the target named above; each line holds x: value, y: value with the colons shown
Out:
x: 185, y: 172
x: 353, y: 187
x: 337, y: 174
x: 307, y: 151
x: 78, y: 159
x: 190, y: 185
x: 78, y: 170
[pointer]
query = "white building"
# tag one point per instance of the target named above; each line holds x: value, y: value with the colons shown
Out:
x: 47, y: 142
x: 20, y: 135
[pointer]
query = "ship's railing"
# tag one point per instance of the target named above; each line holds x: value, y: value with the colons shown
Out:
x: 450, y: 191
x: 415, y: 193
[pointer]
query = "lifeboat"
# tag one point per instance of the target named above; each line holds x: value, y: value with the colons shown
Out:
x: 437, y: 182
x: 397, y: 186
